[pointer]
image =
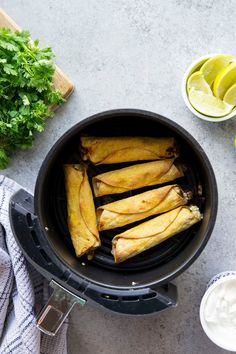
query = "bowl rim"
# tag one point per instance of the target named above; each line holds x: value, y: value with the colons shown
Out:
x: 185, y: 95
x: 207, y: 331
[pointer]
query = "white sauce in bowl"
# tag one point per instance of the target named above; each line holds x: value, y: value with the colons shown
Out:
x: 220, y: 313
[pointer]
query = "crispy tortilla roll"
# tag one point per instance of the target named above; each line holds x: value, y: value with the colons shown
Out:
x: 149, y: 234
x: 136, y: 176
x: 81, y: 211
x: 107, y: 150
x: 140, y: 206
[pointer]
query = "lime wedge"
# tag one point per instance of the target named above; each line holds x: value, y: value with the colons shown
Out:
x: 230, y: 96
x: 208, y: 104
x: 225, y: 79
x: 197, y: 81
x: 212, y: 66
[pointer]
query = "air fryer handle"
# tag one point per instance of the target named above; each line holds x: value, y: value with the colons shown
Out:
x: 136, y: 302
x: 57, y: 309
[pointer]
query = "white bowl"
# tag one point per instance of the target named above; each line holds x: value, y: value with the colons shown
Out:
x: 189, y: 71
x: 213, y: 283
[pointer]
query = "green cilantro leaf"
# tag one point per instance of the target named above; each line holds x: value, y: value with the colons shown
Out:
x: 26, y: 91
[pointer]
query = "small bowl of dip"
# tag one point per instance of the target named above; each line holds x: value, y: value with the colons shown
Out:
x: 218, y: 310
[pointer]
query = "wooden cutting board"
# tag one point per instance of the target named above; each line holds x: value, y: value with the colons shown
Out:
x: 60, y: 80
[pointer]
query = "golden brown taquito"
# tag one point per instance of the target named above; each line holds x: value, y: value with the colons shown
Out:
x: 150, y: 233
x: 140, y: 206
x: 136, y: 176
x: 81, y: 211
x: 108, y: 150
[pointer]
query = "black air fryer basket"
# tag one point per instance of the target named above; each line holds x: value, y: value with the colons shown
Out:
x: 140, y: 285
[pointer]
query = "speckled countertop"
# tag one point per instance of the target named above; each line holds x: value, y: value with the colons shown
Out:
x: 133, y: 53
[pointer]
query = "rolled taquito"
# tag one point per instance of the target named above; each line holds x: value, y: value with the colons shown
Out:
x: 136, y: 176
x: 150, y: 233
x: 81, y: 210
x: 107, y: 150
x: 140, y: 206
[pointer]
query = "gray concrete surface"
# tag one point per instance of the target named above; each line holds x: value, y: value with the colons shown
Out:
x: 133, y: 53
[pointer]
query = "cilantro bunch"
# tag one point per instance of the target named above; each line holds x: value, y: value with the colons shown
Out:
x: 26, y: 91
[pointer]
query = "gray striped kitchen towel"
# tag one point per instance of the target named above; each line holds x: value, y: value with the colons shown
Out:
x: 22, y: 293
